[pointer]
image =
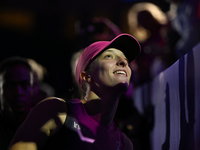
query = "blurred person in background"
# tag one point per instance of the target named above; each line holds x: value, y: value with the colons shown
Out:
x: 74, y: 92
x: 150, y: 25
x: 41, y: 89
x: 184, y: 16
x: 16, y: 91
x: 99, y: 28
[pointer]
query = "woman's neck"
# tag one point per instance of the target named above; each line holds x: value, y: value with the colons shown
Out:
x: 102, y: 108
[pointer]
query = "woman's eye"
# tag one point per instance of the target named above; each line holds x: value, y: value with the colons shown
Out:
x: 108, y: 56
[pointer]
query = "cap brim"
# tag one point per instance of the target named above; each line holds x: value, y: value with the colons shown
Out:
x: 127, y: 44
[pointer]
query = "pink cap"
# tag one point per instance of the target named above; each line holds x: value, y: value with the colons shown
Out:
x: 124, y: 42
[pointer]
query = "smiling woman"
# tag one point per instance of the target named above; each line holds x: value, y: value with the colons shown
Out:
x: 109, y: 69
x: 86, y: 123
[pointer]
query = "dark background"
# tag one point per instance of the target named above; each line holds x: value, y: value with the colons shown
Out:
x: 44, y: 30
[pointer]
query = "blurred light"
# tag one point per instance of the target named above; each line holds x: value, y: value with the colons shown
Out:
x: 134, y: 28
x: 16, y: 19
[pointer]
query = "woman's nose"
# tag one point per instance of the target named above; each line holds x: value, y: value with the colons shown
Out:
x: 122, y: 62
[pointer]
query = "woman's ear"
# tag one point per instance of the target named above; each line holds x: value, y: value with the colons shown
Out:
x: 85, y: 77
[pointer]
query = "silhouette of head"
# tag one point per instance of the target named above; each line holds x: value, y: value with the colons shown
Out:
x: 15, y: 86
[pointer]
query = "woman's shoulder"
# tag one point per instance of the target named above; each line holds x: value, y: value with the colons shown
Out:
x: 55, y: 99
x: 49, y: 111
x: 52, y: 102
x: 50, y: 106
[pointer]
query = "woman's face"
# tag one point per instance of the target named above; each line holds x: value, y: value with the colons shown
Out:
x: 110, y: 69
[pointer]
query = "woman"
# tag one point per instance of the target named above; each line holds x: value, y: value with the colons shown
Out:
x: 103, y: 74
